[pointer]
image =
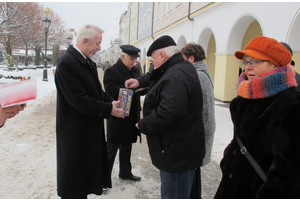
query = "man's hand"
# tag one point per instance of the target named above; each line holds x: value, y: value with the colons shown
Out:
x: 132, y: 83
x: 116, y: 111
x: 10, y: 112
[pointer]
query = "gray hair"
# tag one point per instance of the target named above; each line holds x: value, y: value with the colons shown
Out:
x: 125, y: 54
x: 169, y: 51
x: 87, y: 31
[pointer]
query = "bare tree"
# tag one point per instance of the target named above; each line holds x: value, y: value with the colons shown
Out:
x: 12, y: 22
x: 21, y: 26
x: 32, y: 33
x: 56, y: 33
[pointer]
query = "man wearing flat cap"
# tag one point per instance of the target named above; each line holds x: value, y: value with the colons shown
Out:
x: 172, y: 118
x: 122, y: 133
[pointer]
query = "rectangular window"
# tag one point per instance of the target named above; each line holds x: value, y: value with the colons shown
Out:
x: 169, y: 7
x: 163, y: 9
x: 144, y: 22
x: 177, y: 4
x: 157, y: 11
x: 140, y: 26
x: 148, y: 18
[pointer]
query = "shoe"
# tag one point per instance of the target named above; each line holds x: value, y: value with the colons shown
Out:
x: 132, y: 178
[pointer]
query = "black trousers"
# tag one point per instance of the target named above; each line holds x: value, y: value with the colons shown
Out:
x: 124, y: 157
x: 196, y: 188
x: 72, y: 196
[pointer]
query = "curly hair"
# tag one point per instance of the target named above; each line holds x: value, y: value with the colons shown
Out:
x: 193, y: 49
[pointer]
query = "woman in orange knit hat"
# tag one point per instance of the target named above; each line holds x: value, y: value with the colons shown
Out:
x: 262, y: 160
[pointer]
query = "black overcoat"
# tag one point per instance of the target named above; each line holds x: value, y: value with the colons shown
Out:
x: 122, y: 130
x: 172, y: 114
x: 269, y: 129
x: 82, y: 161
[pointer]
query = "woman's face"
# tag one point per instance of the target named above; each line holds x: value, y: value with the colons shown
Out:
x: 254, y: 67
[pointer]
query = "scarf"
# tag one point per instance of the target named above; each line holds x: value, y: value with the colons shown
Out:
x: 267, y: 84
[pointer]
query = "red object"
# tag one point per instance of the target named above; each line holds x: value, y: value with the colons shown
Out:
x: 17, y: 93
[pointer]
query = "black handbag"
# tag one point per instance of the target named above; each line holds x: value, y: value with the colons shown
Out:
x: 253, y: 162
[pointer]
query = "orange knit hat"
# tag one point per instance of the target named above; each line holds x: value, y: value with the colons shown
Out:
x: 264, y: 48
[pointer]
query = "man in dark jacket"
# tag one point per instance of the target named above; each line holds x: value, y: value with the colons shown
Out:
x: 172, y: 118
x: 82, y: 161
x: 121, y: 133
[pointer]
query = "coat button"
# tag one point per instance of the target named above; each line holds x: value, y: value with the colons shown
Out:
x: 230, y: 175
x: 100, y: 114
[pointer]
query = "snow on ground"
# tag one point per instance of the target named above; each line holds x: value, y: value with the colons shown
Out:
x: 28, y: 151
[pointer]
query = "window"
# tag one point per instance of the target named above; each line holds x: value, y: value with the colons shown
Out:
x: 177, y: 4
x: 148, y: 18
x: 157, y: 11
x: 144, y: 22
x: 140, y: 26
x: 169, y: 7
x: 163, y: 9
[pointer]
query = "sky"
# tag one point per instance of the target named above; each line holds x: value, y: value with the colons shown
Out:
x: 105, y: 15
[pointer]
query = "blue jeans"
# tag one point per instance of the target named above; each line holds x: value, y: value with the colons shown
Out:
x: 177, y: 185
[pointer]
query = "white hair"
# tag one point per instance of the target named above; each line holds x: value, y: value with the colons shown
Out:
x: 87, y: 31
x: 169, y: 51
x: 125, y: 54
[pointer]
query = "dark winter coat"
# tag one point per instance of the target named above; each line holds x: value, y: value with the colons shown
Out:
x: 82, y: 161
x: 122, y: 130
x: 297, y: 77
x: 268, y: 128
x: 172, y: 114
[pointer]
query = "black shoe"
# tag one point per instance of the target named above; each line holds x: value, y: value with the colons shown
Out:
x: 132, y: 178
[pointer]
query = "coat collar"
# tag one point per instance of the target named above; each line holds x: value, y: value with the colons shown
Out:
x: 166, y: 65
x: 77, y: 55
x: 123, y: 67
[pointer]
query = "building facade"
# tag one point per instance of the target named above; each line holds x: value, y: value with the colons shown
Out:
x: 222, y: 28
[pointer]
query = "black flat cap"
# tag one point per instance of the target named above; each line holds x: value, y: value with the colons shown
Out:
x: 163, y: 41
x: 130, y: 50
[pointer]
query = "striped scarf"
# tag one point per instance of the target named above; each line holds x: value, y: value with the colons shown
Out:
x: 268, y: 84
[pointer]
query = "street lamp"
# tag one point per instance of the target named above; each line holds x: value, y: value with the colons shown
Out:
x: 69, y: 39
x: 47, y: 23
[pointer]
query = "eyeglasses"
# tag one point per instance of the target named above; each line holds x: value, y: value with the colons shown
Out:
x: 253, y: 62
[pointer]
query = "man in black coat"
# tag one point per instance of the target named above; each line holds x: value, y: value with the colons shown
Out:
x: 82, y: 161
x: 172, y: 118
x: 121, y: 133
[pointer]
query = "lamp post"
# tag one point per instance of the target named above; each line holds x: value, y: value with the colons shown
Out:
x: 69, y: 39
x: 47, y: 23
